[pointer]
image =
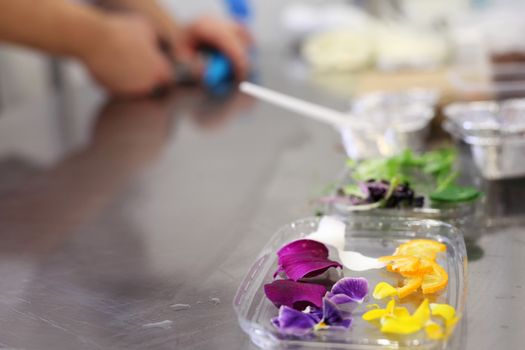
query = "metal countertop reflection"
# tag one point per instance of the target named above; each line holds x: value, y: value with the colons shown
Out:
x: 118, y: 215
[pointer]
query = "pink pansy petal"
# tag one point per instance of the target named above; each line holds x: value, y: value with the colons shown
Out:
x: 296, y: 295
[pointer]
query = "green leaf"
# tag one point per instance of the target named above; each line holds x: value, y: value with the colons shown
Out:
x: 454, y: 193
x: 445, y: 180
x: 439, y: 161
x: 430, y: 171
x: 353, y: 190
x: 351, y: 163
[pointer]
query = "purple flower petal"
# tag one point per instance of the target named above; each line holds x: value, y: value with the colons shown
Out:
x: 297, y: 267
x: 348, y: 290
x: 304, y: 258
x: 293, y: 322
x: 345, y: 304
x: 304, y: 246
x: 333, y: 317
x: 293, y: 294
x: 316, y: 313
x: 340, y: 299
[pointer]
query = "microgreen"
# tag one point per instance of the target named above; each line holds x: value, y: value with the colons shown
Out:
x: 433, y: 171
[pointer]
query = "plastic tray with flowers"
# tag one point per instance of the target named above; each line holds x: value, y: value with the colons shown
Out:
x: 357, y: 283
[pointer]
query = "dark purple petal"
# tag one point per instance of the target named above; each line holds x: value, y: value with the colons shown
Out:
x: 293, y: 322
x: 304, y: 247
x: 345, y: 324
x: 301, y: 266
x: 376, y: 190
x: 304, y: 258
x: 333, y: 317
x: 316, y: 313
x: 293, y: 294
x: 355, y: 289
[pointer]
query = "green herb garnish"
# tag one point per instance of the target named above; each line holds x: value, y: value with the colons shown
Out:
x: 454, y: 193
x: 436, y: 168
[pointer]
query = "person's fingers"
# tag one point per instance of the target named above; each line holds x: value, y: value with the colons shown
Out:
x: 185, y: 53
x: 164, y: 71
x: 232, y: 47
x: 222, y: 36
x: 229, y: 44
x: 243, y: 33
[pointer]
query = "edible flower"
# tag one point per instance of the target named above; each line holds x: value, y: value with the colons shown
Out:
x: 383, y: 290
x: 295, y: 295
x: 304, y: 258
x: 333, y: 317
x: 294, y: 322
x: 448, y: 314
x: 397, y: 320
x: 415, y: 260
x: 390, y: 311
x: 300, y: 323
x: 349, y: 290
x: 334, y: 313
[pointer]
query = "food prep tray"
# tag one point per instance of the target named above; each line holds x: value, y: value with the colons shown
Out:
x: 396, y: 121
x: 372, y: 236
x: 461, y: 214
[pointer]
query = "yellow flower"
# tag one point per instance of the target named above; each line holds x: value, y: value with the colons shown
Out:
x: 406, y: 323
x: 397, y: 320
x: 434, y: 330
x: 390, y: 311
x: 448, y: 314
x: 383, y: 290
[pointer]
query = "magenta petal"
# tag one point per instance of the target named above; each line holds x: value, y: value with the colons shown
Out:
x: 304, y: 258
x: 349, y: 289
x: 297, y: 267
x: 296, y: 295
x: 293, y: 322
x: 304, y: 246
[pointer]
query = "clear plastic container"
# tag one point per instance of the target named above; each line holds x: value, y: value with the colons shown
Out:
x: 461, y: 214
x: 495, y: 133
x: 373, y: 236
x: 395, y: 120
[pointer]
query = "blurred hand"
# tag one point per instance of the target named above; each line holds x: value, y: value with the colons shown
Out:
x: 229, y: 37
x: 128, y: 60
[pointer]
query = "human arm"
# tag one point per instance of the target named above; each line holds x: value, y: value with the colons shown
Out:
x: 121, y: 51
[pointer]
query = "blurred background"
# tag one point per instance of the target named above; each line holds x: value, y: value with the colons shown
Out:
x: 452, y: 41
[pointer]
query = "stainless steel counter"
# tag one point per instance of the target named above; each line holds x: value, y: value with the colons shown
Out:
x: 112, y: 212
